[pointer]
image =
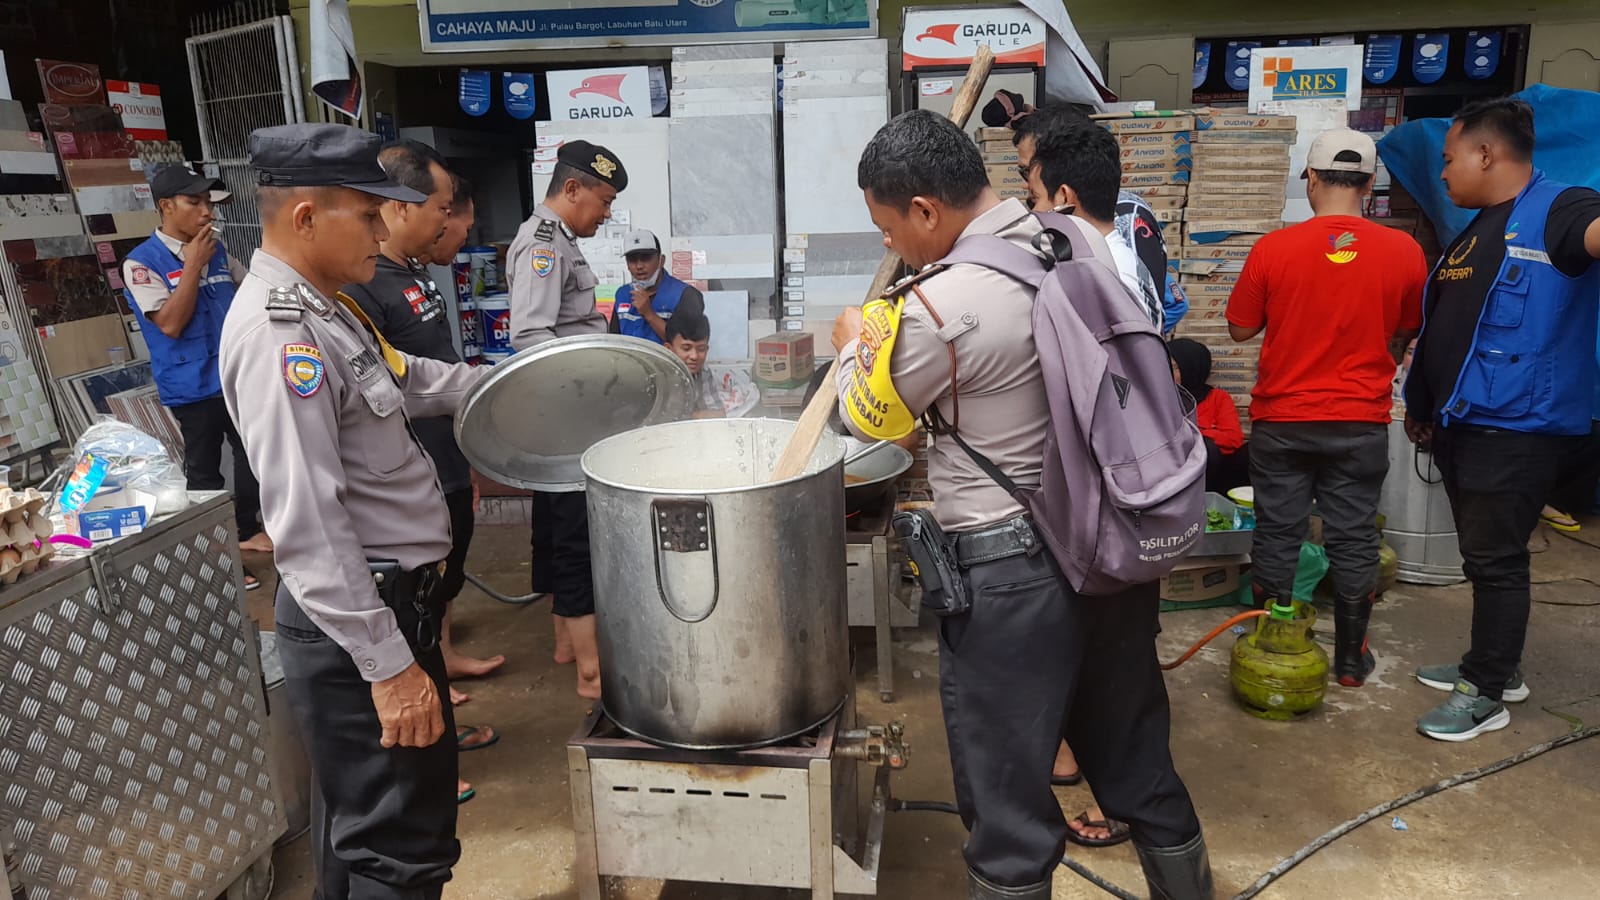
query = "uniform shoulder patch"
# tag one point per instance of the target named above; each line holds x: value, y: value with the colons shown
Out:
x: 905, y: 284
x: 546, y: 230
x: 544, y: 261
x: 303, y: 368
x: 283, y: 305
x: 138, y: 274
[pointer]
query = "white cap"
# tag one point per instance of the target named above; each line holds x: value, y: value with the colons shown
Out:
x: 1342, y: 150
x: 640, y: 241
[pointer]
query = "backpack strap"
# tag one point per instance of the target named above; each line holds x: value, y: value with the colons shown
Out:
x: 1000, y: 255
x: 936, y: 422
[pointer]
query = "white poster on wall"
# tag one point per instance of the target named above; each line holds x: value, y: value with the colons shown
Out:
x: 582, y: 95
x: 1286, y: 74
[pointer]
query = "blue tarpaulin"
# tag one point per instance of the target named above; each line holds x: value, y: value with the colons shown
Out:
x: 1566, y: 122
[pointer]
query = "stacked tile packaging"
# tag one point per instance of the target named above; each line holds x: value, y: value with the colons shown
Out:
x: 1236, y: 194
x: 1000, y: 160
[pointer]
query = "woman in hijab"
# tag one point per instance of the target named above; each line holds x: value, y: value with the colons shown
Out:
x: 1218, y: 416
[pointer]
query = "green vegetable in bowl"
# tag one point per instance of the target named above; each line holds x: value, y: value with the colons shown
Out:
x: 1217, y: 520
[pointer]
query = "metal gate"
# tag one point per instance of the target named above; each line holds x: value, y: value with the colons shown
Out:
x: 244, y: 77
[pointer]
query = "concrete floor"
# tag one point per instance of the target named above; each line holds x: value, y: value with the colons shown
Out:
x: 1263, y: 789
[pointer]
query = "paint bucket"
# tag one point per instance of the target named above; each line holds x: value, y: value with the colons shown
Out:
x: 461, y: 268
x: 490, y: 357
x: 485, y: 278
x: 495, y: 312
x: 471, y: 334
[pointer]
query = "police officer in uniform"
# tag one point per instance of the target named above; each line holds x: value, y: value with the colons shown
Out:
x: 552, y: 295
x: 1030, y: 660
x: 323, y: 406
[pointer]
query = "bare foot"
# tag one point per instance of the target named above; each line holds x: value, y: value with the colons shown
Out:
x: 564, y: 651
x: 457, y: 698
x: 587, y: 651
x: 1091, y: 832
x: 1066, y: 764
x: 459, y: 666
x: 260, y: 543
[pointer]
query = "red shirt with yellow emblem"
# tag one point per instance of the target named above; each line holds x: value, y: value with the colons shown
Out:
x: 1331, y: 293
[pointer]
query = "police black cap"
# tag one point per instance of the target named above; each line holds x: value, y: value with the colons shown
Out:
x: 593, y: 159
x: 318, y: 155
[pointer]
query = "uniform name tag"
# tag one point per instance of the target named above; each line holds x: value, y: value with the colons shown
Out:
x: 364, y: 364
x: 1529, y: 254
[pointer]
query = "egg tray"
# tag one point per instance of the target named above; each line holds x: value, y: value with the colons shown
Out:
x: 25, y: 532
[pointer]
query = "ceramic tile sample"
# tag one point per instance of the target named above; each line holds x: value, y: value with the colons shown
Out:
x: 29, y: 420
x: 723, y: 150
x: 834, y: 99
x: 729, y: 314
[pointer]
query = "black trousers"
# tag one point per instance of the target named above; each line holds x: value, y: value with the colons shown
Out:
x: 1033, y: 661
x: 462, y: 521
x: 561, y: 564
x: 203, y: 426
x: 383, y: 822
x: 1497, y: 483
x: 1340, y: 466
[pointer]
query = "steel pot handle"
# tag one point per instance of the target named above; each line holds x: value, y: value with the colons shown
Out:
x: 685, y: 541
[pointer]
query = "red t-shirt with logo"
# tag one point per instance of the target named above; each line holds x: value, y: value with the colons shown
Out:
x: 1331, y: 292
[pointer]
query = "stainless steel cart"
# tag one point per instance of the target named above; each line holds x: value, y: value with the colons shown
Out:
x: 133, y: 729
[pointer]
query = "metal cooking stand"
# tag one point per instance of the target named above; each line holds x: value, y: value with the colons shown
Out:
x: 877, y: 595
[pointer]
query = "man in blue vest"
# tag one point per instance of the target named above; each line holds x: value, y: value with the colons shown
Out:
x: 644, y: 306
x: 180, y: 285
x: 1502, y: 386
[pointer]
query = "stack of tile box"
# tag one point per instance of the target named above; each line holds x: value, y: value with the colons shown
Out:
x: 1157, y: 159
x: 1236, y: 194
x: 1000, y: 159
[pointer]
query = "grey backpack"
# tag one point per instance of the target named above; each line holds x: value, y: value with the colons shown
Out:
x: 1122, y: 499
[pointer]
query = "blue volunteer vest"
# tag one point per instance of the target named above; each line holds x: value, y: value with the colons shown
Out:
x: 668, y: 292
x: 1532, y: 363
x: 185, y: 367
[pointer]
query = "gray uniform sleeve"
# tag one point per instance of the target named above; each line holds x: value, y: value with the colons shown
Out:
x: 436, y: 388
x: 535, y: 291
x: 919, y: 368
x: 293, y: 442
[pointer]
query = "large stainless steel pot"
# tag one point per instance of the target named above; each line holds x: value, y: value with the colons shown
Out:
x: 719, y: 596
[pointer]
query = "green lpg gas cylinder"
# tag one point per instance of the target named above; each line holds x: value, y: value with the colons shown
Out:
x: 1278, y: 670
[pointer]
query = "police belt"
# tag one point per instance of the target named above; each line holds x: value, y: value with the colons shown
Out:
x: 410, y: 595
x: 1015, y: 537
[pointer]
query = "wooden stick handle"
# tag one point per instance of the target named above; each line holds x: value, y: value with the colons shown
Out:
x: 814, y: 419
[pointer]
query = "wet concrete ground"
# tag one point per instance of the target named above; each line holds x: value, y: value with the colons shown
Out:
x: 1263, y: 789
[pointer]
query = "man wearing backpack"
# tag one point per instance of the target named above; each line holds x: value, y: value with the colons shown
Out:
x: 1024, y: 658
x: 1338, y: 297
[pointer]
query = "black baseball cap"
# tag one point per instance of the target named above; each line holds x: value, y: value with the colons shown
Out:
x: 323, y: 155
x: 179, y: 180
x: 593, y: 159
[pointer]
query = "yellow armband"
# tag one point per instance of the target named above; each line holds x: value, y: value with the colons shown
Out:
x: 874, y: 407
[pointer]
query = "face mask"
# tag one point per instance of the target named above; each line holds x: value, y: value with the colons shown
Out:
x: 650, y: 283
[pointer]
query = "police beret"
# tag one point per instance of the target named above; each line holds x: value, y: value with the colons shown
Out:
x: 593, y: 159
x: 322, y: 155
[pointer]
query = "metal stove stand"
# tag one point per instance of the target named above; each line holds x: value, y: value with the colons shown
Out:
x: 782, y: 816
x: 877, y: 596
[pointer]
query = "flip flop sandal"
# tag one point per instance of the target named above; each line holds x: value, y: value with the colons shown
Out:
x: 466, y: 795
x: 251, y: 582
x: 468, y: 732
x: 1562, y: 523
x: 1073, y: 780
x: 1119, y: 832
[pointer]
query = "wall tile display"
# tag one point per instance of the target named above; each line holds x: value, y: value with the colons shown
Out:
x: 102, y: 166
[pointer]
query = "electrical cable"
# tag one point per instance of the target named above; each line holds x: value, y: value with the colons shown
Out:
x: 523, y: 600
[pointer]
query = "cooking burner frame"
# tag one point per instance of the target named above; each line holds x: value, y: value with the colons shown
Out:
x: 877, y: 596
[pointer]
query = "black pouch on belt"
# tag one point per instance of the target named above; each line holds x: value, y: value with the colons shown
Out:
x: 933, y: 561
x: 409, y: 595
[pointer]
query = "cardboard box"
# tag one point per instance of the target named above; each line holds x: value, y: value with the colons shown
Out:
x: 1162, y: 190
x: 1257, y: 225
x: 1259, y: 136
x: 1164, y: 164
x: 986, y: 135
x: 1132, y: 124
x: 785, y: 359
x: 1006, y: 178
x: 1154, y: 139
x: 1238, y: 119
x: 107, y: 524
x: 1008, y: 155
x: 1167, y: 202
x: 1153, y: 179
x: 1217, y: 252
x: 1167, y: 153
x: 1205, y: 581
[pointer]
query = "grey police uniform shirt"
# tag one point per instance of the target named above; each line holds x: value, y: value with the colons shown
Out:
x: 988, y: 319
x: 342, y: 479
x: 552, y: 286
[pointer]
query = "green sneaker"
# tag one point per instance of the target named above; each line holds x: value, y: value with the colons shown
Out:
x: 1464, y: 716
x: 1444, y: 678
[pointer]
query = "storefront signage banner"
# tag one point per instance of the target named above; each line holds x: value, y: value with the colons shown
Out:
x: 1279, y: 74
x: 470, y: 25
x: 584, y: 94
x: 140, y: 107
x: 950, y: 37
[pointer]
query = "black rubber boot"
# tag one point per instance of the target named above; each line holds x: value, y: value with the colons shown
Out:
x: 1352, y: 661
x: 1177, y: 873
x: 980, y: 888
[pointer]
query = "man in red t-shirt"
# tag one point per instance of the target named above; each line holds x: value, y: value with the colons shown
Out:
x: 1338, y: 297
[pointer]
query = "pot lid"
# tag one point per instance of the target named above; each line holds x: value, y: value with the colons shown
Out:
x: 528, y: 422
